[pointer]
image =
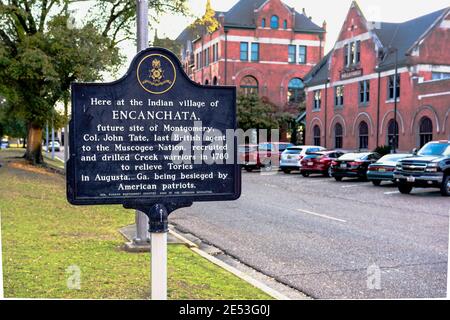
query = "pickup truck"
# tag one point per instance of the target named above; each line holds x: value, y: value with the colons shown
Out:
x: 428, y: 168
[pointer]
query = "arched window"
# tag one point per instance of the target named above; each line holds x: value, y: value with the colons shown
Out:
x: 393, y: 134
x: 274, y: 22
x: 316, y: 133
x: 425, y: 131
x: 338, y: 136
x: 363, y: 135
x: 249, y: 85
x: 215, y: 82
x: 296, y: 91
x: 263, y: 22
x: 206, y: 82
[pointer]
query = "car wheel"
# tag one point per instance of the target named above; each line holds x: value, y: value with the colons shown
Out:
x: 376, y: 183
x: 328, y: 173
x: 405, y: 188
x: 445, y: 188
x: 338, y: 179
x: 267, y: 166
x: 248, y: 169
x: 287, y: 171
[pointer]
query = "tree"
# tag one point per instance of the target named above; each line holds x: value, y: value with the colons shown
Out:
x: 42, y: 52
x: 167, y: 43
x: 207, y: 23
x: 255, y: 113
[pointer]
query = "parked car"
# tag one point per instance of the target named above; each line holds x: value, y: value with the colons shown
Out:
x: 291, y: 158
x: 383, y: 169
x: 56, y: 145
x: 4, y: 144
x: 319, y: 162
x: 353, y: 165
x: 428, y: 168
x: 264, y: 155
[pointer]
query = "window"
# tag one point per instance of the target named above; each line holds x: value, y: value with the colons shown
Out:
x: 317, y: 99
x: 358, y: 52
x: 352, y: 53
x: 207, y: 57
x: 244, y: 51
x: 263, y: 22
x: 302, y: 54
x: 274, y: 22
x: 425, y: 131
x: 255, y: 52
x: 338, y: 136
x: 393, y: 90
x: 292, y: 53
x: 316, y: 132
x: 346, y: 57
x: 295, y: 90
x: 364, y: 92
x: 284, y: 24
x: 393, y: 134
x: 363, y: 135
x: 339, y: 96
x: 215, y: 81
x: 215, y: 52
x: 249, y: 85
x: 440, y: 75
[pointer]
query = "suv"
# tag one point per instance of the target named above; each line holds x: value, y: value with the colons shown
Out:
x: 429, y: 168
x: 264, y: 155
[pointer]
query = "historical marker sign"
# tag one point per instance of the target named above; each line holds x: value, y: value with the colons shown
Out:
x: 152, y: 137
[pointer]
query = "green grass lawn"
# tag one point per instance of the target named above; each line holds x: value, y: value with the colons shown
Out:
x: 43, y: 236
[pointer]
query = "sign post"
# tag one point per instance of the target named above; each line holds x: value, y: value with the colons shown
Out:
x: 153, y: 141
x: 141, y: 220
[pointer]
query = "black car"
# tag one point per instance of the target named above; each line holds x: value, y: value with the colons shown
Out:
x: 353, y: 165
x: 429, y: 168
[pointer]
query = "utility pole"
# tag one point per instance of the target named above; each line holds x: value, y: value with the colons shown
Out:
x: 394, y: 147
x: 142, y: 238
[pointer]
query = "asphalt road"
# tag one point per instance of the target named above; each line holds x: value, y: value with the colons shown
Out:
x: 331, y: 240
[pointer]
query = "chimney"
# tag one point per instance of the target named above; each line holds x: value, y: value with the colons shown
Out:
x: 324, y: 25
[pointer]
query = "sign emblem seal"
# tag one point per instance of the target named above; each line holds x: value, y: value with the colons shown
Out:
x: 156, y: 73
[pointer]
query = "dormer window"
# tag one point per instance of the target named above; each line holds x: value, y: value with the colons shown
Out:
x: 263, y: 22
x: 274, y: 22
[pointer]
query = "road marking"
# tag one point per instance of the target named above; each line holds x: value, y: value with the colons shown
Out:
x: 392, y: 192
x: 321, y: 215
x: 350, y: 186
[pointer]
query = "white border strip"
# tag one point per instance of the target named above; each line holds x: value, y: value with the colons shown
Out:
x: 1, y: 260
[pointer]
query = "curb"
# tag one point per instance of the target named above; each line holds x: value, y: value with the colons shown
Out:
x: 243, y: 276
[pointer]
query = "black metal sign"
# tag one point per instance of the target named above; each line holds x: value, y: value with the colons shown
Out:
x: 152, y: 137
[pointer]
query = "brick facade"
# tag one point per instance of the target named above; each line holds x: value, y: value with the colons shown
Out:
x: 271, y: 70
x: 423, y: 56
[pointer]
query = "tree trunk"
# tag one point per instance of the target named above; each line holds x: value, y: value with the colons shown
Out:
x: 34, y: 144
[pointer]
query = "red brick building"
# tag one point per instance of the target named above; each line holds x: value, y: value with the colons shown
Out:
x: 261, y: 46
x: 351, y: 92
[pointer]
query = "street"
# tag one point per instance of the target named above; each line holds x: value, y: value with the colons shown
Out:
x: 331, y: 240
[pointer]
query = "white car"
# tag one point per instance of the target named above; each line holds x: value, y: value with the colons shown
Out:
x: 52, y: 144
x: 292, y: 157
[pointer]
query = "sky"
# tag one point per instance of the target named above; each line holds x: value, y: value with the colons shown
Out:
x: 331, y: 11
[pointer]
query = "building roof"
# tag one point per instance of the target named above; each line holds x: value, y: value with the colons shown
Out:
x: 401, y: 36
x: 242, y: 15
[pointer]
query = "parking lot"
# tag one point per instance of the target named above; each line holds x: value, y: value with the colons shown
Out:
x: 332, y: 239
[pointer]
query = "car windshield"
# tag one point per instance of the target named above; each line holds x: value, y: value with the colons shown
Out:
x: 244, y: 149
x: 293, y: 151
x: 283, y: 147
x: 353, y: 156
x: 393, y: 157
x: 434, y: 149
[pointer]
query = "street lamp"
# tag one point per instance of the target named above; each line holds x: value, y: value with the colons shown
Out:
x: 396, y: 131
